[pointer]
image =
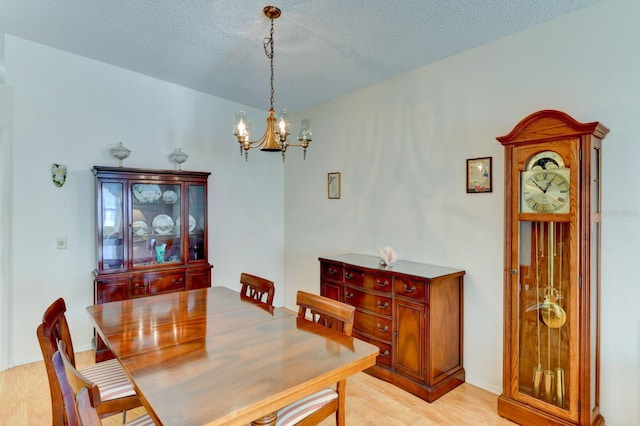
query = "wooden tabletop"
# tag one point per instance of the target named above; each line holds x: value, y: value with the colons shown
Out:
x: 205, y: 357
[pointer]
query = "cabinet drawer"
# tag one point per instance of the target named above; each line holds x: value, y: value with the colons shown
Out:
x: 385, y: 349
x: 353, y: 276
x: 377, y: 282
x: 409, y: 288
x: 111, y: 290
x: 138, y: 286
x: 165, y: 283
x: 198, y: 279
x: 373, y: 325
x: 371, y: 302
x: 332, y: 272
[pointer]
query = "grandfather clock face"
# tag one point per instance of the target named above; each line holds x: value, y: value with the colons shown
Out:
x: 545, y: 184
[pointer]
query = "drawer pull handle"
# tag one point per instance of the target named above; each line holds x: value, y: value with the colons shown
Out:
x: 409, y: 290
x: 385, y: 353
x: 348, y: 275
x: 383, y: 329
x: 349, y: 295
x: 332, y: 271
x: 381, y: 306
x: 384, y: 284
x: 140, y: 286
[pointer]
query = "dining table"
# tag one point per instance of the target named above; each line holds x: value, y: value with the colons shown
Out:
x: 207, y: 357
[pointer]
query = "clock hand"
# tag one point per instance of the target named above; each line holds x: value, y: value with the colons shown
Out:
x: 548, y: 184
x: 544, y: 190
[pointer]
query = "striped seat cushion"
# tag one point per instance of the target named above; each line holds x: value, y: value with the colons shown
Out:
x: 293, y: 413
x: 110, y: 378
x: 144, y: 420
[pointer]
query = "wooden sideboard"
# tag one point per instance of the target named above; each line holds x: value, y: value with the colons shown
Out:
x: 413, y: 312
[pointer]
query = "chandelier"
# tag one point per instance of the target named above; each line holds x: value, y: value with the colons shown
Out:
x: 278, y: 127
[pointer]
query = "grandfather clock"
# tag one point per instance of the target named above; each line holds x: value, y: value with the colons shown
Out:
x: 551, y: 372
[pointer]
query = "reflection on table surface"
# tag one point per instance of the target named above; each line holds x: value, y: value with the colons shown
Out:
x: 208, y: 357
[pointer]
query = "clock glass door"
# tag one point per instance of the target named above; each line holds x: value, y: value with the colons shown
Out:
x: 544, y: 352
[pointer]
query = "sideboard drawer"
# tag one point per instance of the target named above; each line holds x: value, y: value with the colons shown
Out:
x: 377, y: 282
x: 373, y: 325
x: 332, y: 272
x: 371, y: 302
x: 353, y: 276
x: 385, y: 349
x: 410, y: 288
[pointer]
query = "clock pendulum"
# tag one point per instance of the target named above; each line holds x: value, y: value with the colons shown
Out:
x: 559, y: 369
x: 537, y: 371
x: 547, y: 392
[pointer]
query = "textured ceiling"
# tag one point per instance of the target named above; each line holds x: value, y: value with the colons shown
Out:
x: 323, y: 48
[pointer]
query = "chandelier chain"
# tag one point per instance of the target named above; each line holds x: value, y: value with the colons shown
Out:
x: 268, y: 50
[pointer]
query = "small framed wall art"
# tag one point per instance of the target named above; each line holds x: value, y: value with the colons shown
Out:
x: 479, y: 175
x: 333, y: 185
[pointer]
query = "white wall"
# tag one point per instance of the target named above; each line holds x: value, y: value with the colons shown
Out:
x: 6, y: 119
x: 72, y: 110
x: 401, y: 147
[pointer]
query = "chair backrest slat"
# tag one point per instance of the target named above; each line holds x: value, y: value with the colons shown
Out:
x: 256, y: 289
x: 327, y: 312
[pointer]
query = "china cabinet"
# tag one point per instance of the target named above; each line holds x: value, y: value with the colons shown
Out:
x: 151, y: 235
x: 413, y: 312
x: 551, y: 370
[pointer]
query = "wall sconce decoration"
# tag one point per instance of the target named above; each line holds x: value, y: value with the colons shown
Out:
x: 178, y: 157
x: 120, y: 153
x: 59, y: 174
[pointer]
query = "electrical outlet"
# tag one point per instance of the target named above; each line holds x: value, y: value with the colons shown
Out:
x: 62, y: 242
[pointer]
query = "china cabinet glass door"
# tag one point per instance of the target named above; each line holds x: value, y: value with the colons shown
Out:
x: 197, y: 225
x: 112, y: 217
x: 155, y: 224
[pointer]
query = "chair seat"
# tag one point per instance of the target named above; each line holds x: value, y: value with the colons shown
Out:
x: 144, y: 420
x: 110, y: 378
x: 299, y: 410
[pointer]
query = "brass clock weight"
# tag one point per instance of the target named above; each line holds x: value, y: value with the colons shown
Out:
x: 552, y: 274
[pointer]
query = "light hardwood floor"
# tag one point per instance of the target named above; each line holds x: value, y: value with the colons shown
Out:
x: 24, y: 400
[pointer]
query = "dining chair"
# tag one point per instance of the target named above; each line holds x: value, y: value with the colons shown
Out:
x: 117, y: 394
x: 87, y: 409
x: 314, y: 408
x: 256, y: 289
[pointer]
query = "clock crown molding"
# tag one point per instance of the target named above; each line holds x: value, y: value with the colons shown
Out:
x: 548, y: 125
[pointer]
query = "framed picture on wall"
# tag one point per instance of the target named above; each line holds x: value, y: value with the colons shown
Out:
x: 479, y: 175
x: 333, y: 185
